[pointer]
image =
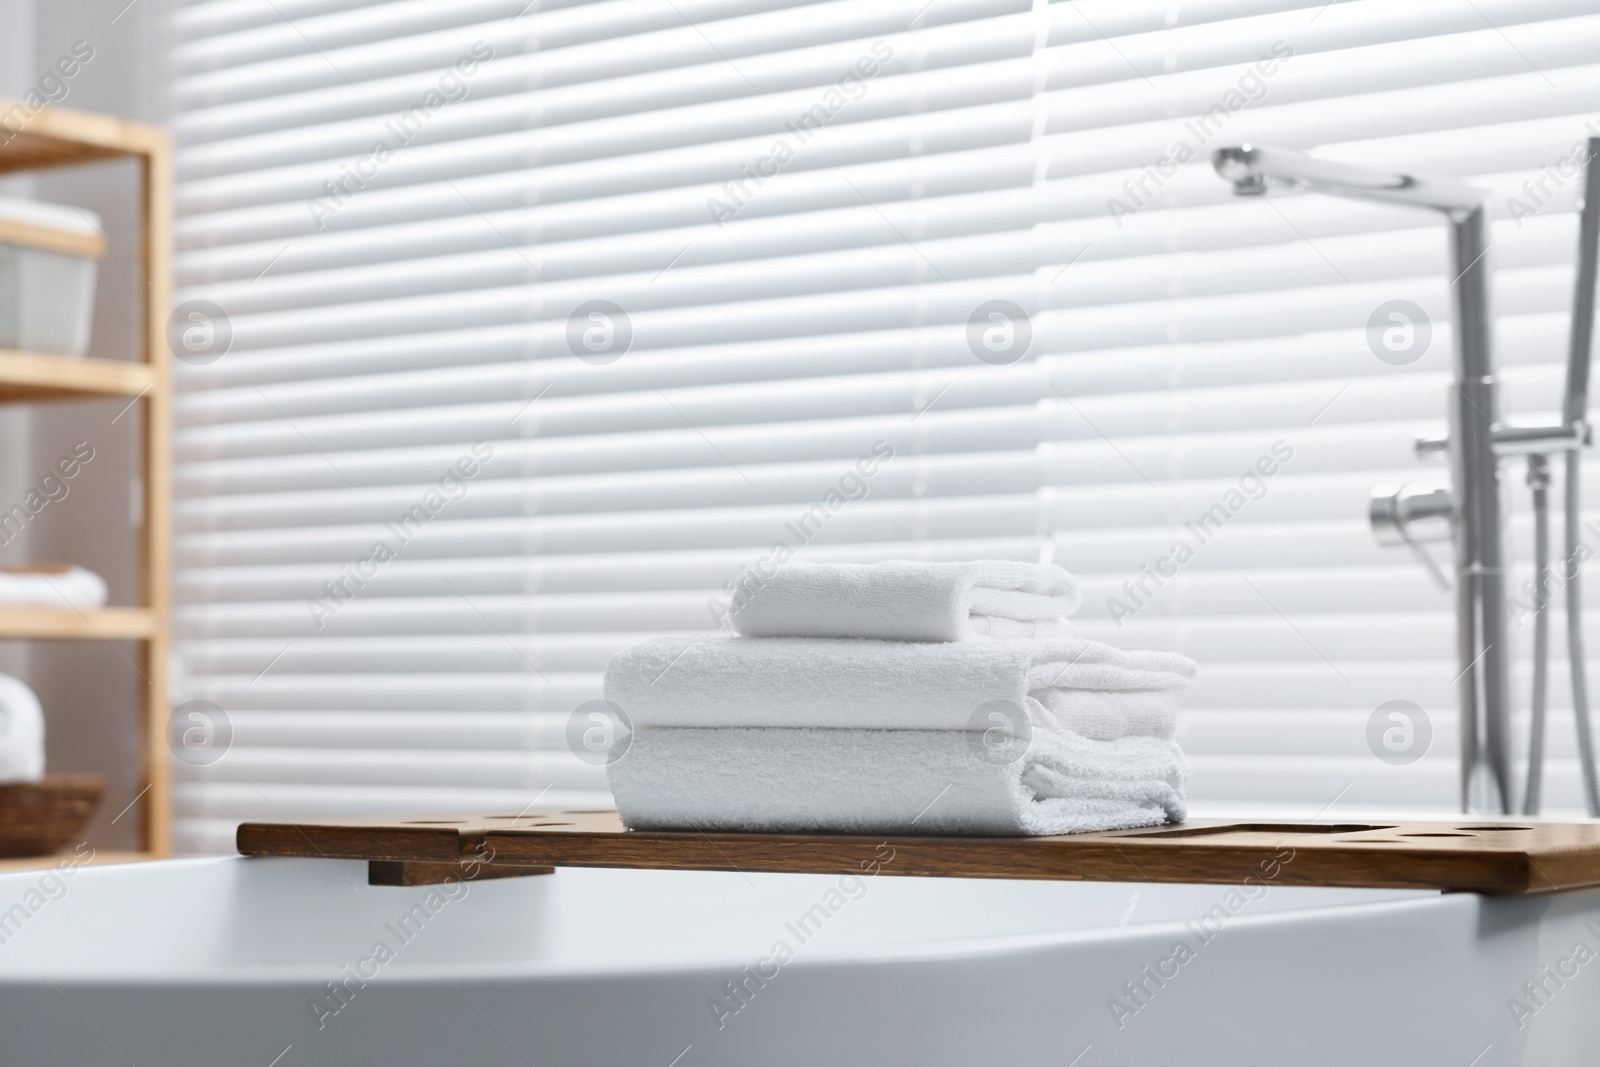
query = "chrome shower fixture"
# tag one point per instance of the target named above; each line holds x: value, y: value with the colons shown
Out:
x: 1467, y: 510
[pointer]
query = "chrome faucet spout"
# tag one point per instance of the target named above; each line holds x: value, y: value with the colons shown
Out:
x: 1254, y: 170
x: 1477, y: 523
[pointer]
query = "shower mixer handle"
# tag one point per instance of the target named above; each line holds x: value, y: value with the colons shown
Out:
x: 1412, y: 513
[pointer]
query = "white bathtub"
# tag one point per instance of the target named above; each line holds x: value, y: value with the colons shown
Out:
x: 223, y: 961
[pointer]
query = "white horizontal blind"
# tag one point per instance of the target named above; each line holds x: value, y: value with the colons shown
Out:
x: 630, y: 286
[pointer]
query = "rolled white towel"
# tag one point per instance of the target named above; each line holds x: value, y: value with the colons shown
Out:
x: 711, y: 680
x: 902, y: 600
x: 21, y: 732
x: 893, y: 781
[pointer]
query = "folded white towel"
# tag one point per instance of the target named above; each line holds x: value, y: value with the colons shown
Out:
x: 52, y: 587
x: 906, y: 601
x: 1107, y: 714
x: 710, y: 680
x: 892, y: 781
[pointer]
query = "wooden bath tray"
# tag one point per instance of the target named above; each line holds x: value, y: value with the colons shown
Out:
x: 1476, y: 857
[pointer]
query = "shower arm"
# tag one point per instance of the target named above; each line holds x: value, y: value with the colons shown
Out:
x: 1475, y: 520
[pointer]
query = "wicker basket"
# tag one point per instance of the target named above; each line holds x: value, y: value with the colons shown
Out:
x: 37, y: 818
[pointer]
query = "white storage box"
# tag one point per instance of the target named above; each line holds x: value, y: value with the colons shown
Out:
x: 48, y: 258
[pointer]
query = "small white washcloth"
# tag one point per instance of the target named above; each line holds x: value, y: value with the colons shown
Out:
x: 711, y: 680
x: 893, y: 781
x: 907, y: 601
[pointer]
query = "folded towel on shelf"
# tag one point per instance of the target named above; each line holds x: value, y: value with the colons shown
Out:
x: 711, y: 680
x: 907, y: 601
x: 893, y: 781
x: 52, y: 587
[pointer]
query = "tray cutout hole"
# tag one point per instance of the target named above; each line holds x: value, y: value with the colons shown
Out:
x: 1286, y: 829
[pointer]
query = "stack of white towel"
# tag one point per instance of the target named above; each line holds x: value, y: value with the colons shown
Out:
x: 898, y: 698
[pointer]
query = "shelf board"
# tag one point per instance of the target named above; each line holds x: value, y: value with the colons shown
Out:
x: 35, y: 376
x: 29, y: 621
x: 33, y: 139
x: 69, y: 857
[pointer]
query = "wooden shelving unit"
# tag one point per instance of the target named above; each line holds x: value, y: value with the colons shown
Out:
x: 57, y: 137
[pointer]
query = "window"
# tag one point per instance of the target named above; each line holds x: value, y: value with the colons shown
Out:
x: 515, y: 330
